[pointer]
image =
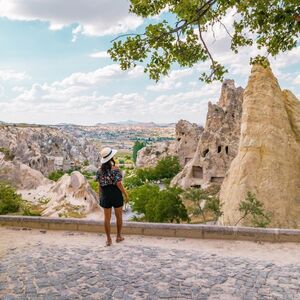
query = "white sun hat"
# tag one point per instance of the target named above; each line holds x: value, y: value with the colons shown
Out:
x: 107, y: 154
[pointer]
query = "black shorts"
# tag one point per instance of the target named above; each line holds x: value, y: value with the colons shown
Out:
x: 111, y: 196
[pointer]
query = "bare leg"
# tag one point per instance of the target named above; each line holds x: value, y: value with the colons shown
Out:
x: 107, y: 216
x: 119, y: 218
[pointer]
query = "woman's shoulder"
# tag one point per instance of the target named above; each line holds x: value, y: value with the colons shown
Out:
x: 114, y: 168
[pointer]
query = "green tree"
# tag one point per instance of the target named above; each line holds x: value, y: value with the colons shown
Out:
x: 199, y: 198
x: 136, y: 147
x: 141, y: 195
x: 205, y: 201
x: 10, y: 201
x: 273, y: 25
x: 251, y: 207
x: 158, y: 206
x: 168, y: 207
x: 167, y: 167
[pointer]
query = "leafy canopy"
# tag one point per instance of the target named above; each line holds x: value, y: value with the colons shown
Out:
x: 158, y: 206
x: 273, y: 25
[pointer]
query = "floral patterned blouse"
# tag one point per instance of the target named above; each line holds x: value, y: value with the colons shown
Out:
x: 110, y: 178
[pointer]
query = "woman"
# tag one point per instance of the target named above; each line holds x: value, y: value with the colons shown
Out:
x: 111, y: 190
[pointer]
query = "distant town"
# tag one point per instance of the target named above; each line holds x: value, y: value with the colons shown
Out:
x: 120, y: 135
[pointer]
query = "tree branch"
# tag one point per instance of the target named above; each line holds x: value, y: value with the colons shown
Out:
x: 204, y: 44
x: 127, y: 34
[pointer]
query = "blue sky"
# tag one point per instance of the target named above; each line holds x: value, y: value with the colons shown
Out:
x: 54, y: 67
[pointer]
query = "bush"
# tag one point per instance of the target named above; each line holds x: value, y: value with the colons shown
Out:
x: 94, y: 185
x: 158, y: 206
x: 165, y: 169
x: 56, y: 175
x: 28, y: 209
x: 133, y: 181
x: 8, y: 155
x: 10, y: 201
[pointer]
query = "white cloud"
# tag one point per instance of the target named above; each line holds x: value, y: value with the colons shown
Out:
x: 101, y: 54
x: 77, y: 93
x: 171, y: 81
x: 99, y: 76
x: 93, y: 17
x: 296, y: 80
x: 10, y: 74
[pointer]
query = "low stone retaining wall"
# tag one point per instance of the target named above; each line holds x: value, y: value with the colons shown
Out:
x: 157, y: 229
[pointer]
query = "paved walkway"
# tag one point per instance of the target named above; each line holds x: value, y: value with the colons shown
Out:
x: 63, y: 265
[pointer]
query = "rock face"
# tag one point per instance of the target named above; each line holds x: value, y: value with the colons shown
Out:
x: 47, y: 149
x: 218, y: 143
x: 187, y: 138
x: 20, y: 175
x: 268, y: 159
x: 72, y: 192
x: 150, y: 155
x: 70, y: 196
x: 184, y: 147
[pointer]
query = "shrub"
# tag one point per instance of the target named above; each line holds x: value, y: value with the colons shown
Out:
x: 8, y: 155
x: 94, y: 185
x: 158, y: 206
x: 56, y: 175
x: 132, y: 181
x: 253, y: 209
x: 28, y: 209
x: 10, y: 201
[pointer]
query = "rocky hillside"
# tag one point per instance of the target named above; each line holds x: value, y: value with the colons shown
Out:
x: 71, y: 196
x: 268, y: 159
x: 218, y: 143
x: 46, y: 149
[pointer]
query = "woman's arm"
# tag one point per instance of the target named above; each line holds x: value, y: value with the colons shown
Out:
x: 122, y: 189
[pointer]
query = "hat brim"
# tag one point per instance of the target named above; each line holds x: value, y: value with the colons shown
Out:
x: 106, y: 159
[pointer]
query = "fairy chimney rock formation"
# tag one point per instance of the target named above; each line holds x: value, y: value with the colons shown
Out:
x: 187, y: 138
x: 268, y: 159
x: 218, y: 143
x: 151, y: 154
x: 184, y: 146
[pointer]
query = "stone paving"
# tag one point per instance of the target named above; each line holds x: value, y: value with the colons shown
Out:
x: 44, y: 271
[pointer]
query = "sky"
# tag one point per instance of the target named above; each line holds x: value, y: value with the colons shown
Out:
x: 54, y: 67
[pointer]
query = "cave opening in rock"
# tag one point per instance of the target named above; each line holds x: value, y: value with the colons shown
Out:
x: 196, y: 186
x: 205, y: 152
x: 219, y: 149
x: 216, y: 179
x: 226, y: 149
x: 197, y: 172
x: 187, y: 159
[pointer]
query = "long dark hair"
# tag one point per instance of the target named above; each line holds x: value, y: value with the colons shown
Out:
x: 106, y: 167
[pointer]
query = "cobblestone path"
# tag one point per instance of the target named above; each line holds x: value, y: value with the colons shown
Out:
x: 44, y: 271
